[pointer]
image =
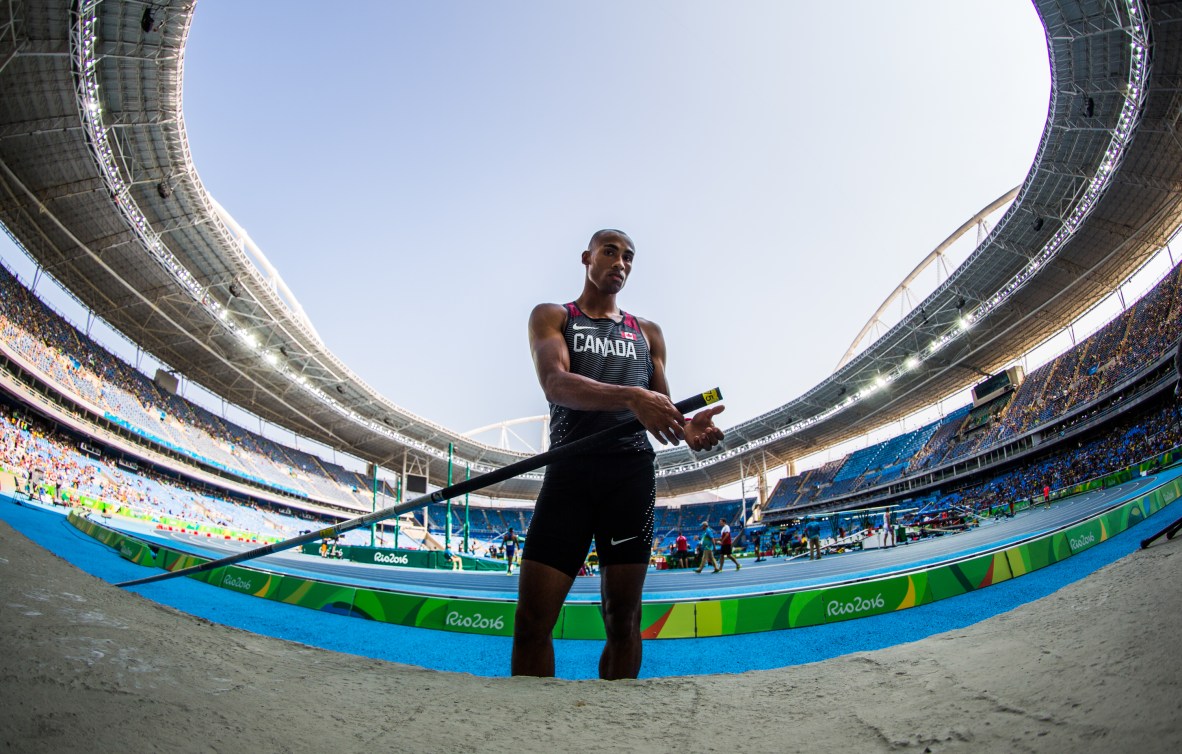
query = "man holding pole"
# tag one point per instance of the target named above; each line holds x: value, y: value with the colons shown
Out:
x: 598, y: 365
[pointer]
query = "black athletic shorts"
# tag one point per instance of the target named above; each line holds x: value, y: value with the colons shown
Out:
x: 608, y: 497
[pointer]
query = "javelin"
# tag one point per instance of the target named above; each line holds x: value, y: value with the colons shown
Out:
x: 447, y: 493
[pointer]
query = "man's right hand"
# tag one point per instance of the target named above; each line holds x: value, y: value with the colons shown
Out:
x: 658, y: 415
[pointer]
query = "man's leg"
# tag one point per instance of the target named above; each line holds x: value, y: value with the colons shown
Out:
x: 620, y: 590
x: 707, y: 557
x: 541, y: 591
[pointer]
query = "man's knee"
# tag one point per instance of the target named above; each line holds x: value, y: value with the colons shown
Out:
x: 532, y: 625
x: 621, y: 622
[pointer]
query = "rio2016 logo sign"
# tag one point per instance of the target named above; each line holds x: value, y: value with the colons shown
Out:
x: 475, y: 621
x: 857, y: 605
x: 392, y: 558
x: 233, y: 582
x: 1082, y: 542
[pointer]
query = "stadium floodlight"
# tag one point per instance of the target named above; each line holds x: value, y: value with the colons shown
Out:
x: 911, y: 363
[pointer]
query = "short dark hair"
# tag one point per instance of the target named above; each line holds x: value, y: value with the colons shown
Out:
x: 600, y: 234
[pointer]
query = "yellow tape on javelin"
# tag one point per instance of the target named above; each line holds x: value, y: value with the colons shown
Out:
x: 712, y: 396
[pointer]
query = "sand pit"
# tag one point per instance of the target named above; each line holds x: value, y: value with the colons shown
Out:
x: 85, y: 666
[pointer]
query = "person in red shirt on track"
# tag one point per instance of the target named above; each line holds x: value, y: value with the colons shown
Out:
x: 682, y: 551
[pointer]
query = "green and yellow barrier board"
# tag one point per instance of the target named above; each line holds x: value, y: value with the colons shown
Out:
x: 668, y: 619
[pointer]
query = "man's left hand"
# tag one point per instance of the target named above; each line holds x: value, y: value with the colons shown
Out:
x: 700, y: 432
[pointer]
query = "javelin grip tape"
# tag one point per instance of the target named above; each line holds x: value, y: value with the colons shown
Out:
x: 447, y: 493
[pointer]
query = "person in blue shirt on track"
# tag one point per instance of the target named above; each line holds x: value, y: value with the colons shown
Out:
x: 708, y: 549
x: 812, y: 530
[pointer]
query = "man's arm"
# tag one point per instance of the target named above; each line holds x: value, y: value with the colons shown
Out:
x: 652, y: 407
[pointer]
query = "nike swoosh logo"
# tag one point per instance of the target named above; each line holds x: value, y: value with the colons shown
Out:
x: 621, y: 541
x: 583, y: 327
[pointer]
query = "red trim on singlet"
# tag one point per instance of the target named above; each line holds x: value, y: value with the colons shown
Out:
x: 628, y: 322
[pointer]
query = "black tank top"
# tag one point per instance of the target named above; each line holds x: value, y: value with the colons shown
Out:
x: 605, y: 351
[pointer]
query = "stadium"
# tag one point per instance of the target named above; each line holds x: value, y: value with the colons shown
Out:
x: 979, y: 583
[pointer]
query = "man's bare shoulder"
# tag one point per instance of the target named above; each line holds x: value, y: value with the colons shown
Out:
x: 647, y: 322
x: 548, y: 314
x: 548, y: 309
x: 649, y: 328
x: 547, y: 318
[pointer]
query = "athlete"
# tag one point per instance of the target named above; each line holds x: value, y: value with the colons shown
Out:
x: 509, y: 543
x: 598, y: 366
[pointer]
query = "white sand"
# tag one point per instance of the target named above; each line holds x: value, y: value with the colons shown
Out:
x: 1096, y: 666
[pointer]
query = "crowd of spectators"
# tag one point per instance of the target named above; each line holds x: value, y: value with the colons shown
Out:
x: 53, y: 466
x: 112, y: 388
x: 1130, y: 440
x: 1116, y: 352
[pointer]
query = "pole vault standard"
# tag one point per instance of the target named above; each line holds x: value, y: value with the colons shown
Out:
x: 469, y: 485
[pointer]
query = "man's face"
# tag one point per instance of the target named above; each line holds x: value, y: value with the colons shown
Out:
x: 609, y: 262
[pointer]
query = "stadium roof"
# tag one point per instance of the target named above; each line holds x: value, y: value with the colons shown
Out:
x: 99, y: 188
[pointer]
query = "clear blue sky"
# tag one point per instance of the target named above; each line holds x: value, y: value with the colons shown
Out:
x: 422, y: 174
